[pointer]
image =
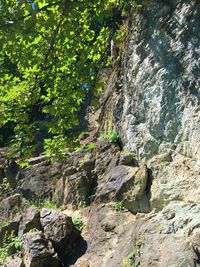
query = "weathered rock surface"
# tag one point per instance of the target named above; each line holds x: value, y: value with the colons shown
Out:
x: 60, y: 230
x: 155, y: 106
x: 10, y: 205
x: 37, y: 177
x: 39, y: 251
x: 30, y: 220
x: 129, y: 185
x: 16, y: 262
x: 153, y: 100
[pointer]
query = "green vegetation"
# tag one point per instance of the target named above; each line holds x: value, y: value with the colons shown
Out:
x: 118, y: 206
x: 111, y: 135
x: 10, y: 245
x: 78, y: 223
x: 33, y: 230
x: 5, y: 186
x: 41, y: 203
x: 17, y: 209
x: 91, y: 146
x: 4, y: 222
x: 51, y: 57
x: 133, y: 259
x: 82, y: 204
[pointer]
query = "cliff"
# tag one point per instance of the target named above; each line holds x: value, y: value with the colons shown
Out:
x: 138, y: 198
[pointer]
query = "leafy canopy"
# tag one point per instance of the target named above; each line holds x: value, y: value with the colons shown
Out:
x: 51, y: 55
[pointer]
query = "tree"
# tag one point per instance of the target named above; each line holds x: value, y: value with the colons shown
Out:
x: 51, y: 55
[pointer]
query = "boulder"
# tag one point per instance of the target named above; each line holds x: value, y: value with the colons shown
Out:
x: 30, y: 220
x: 11, y: 171
x: 59, y: 229
x: 39, y: 251
x: 40, y: 179
x: 11, y: 205
x: 131, y: 185
x: 78, y: 188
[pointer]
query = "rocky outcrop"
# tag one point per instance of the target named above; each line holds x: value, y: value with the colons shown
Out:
x: 141, y: 199
x: 48, y: 235
x: 30, y: 220
x: 37, y: 176
x: 60, y: 230
x: 154, y: 104
x: 39, y: 251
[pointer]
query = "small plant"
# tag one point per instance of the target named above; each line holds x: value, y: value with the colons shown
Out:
x: 10, y: 245
x: 4, y: 222
x: 133, y: 259
x: 49, y: 205
x: 33, y: 230
x: 82, y: 204
x: 78, y: 223
x: 17, y: 209
x: 118, y: 206
x: 91, y: 146
x: 40, y: 203
x: 113, y: 137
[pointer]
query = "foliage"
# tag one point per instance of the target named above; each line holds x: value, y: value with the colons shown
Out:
x: 113, y: 137
x: 10, y: 245
x: 91, y: 146
x: 82, y: 204
x: 4, y: 222
x: 5, y: 187
x: 41, y: 203
x: 133, y: 259
x: 33, y: 230
x: 78, y: 223
x: 118, y: 206
x: 51, y: 55
x: 17, y: 209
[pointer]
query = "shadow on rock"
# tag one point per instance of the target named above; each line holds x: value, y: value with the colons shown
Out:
x: 78, y: 250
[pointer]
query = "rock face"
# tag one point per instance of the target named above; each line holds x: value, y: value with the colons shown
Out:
x: 39, y: 251
x: 143, y: 202
x: 37, y: 176
x: 155, y: 107
x: 160, y: 88
x: 59, y: 229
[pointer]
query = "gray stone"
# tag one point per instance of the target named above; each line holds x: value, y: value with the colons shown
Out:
x: 30, y: 219
x: 126, y: 184
x: 127, y: 158
x: 40, y: 179
x: 11, y: 171
x: 39, y: 251
x: 10, y: 206
x: 59, y: 229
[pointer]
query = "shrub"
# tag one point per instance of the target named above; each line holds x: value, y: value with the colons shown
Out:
x: 91, y: 146
x: 78, y: 223
x: 118, y: 206
x: 113, y: 137
x: 41, y: 203
x: 10, y: 245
